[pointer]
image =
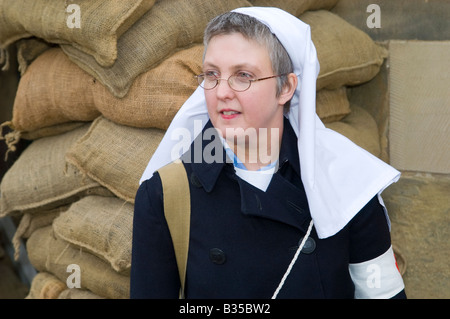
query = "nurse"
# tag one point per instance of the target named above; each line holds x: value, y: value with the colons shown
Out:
x: 289, y: 209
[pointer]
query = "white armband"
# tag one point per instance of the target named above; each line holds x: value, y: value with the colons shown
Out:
x: 378, y: 278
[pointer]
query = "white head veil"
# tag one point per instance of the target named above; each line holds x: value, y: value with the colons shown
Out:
x: 339, y: 177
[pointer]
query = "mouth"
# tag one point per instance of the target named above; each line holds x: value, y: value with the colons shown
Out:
x: 229, y: 114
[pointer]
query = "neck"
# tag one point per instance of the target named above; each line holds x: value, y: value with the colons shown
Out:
x: 260, y: 150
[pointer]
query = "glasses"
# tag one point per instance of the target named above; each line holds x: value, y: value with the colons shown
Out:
x: 239, y: 82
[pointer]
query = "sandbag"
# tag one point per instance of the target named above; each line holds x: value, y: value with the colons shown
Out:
x: 47, y: 131
x: 100, y: 225
x: 28, y: 50
x: 78, y: 293
x: 48, y: 253
x: 346, y: 54
x: 168, y: 27
x: 156, y: 95
x: 296, y: 7
x: 51, y: 92
x: 40, y: 179
x: 48, y: 96
x: 115, y: 155
x: 360, y: 127
x: 101, y: 23
x: 332, y: 105
x: 45, y: 286
x: 30, y: 222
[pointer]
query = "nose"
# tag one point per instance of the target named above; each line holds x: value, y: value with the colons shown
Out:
x: 224, y: 90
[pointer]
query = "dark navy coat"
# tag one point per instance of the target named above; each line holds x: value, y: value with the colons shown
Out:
x: 242, y: 239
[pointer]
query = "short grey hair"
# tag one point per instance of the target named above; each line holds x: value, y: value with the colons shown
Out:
x: 251, y: 28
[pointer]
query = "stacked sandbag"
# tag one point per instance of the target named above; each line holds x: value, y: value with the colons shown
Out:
x: 96, y: 112
x: 49, y: 96
x: 48, y: 253
x: 47, y: 286
x: 39, y: 187
x: 89, y: 146
x: 51, y: 99
x: 40, y: 179
x: 347, y: 57
x: 101, y: 23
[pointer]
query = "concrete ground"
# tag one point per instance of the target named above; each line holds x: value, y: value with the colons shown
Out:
x: 419, y: 209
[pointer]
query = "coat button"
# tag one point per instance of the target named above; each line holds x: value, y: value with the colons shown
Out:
x: 217, y: 256
x: 309, y: 247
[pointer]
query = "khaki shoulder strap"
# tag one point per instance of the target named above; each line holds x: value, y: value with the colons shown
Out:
x: 177, y: 210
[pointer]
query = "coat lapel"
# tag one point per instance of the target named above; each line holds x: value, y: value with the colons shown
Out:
x: 281, y: 202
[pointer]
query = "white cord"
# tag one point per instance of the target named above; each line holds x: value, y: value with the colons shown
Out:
x: 297, y: 253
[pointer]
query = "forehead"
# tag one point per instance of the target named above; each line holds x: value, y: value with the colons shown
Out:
x: 233, y: 50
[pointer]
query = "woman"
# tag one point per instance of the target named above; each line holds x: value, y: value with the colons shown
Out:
x: 289, y: 209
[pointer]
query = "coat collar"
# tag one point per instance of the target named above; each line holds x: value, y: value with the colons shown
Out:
x: 207, y: 157
x: 280, y: 196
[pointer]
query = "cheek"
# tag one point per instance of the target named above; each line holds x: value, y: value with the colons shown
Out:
x: 211, y: 103
x: 209, y: 97
x: 258, y: 107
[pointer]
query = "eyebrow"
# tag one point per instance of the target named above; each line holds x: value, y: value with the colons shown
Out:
x: 236, y: 67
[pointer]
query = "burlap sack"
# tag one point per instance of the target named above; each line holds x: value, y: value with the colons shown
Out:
x: 347, y: 55
x: 169, y: 26
x: 360, y: 127
x: 100, y: 225
x: 102, y: 23
x: 30, y: 222
x: 296, y: 7
x: 115, y: 155
x: 332, y: 105
x: 40, y: 179
x: 78, y: 293
x: 28, y: 50
x: 156, y: 95
x: 48, y: 253
x: 55, y: 92
x: 52, y: 92
x: 52, y: 130
x: 4, y: 59
x: 45, y: 286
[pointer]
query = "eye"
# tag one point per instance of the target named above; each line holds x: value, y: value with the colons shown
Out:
x: 211, y: 75
x: 245, y: 76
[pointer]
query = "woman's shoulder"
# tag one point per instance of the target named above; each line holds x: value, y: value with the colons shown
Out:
x: 150, y: 188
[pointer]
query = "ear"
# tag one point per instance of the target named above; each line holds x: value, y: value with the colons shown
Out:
x: 288, y: 89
